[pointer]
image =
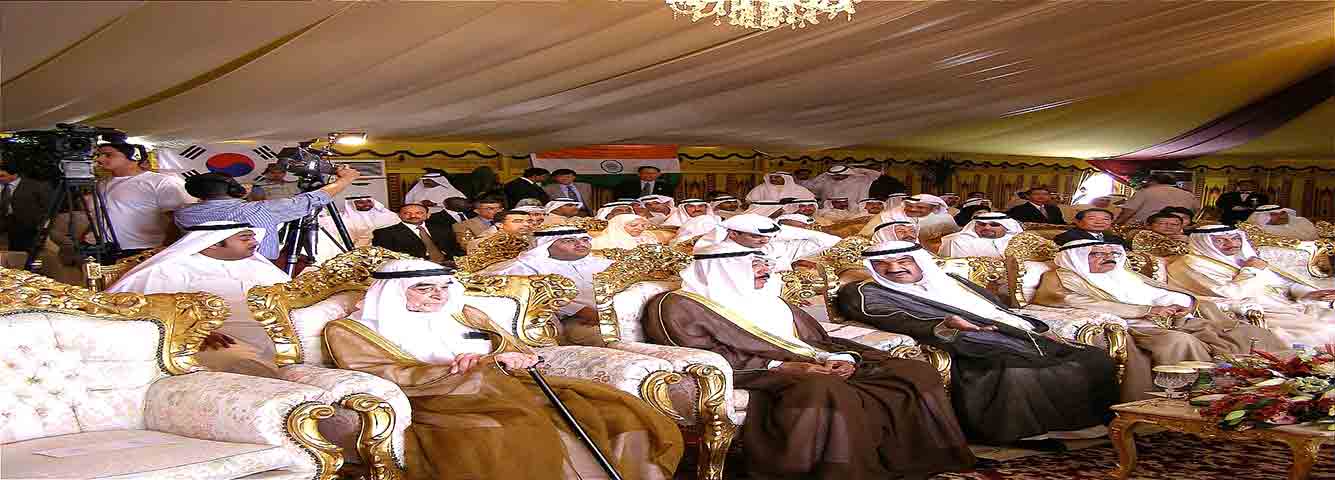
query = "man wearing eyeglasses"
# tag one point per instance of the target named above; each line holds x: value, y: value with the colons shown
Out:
x: 987, y: 235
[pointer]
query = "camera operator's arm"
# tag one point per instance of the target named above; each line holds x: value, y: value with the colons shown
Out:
x: 285, y: 209
x: 345, y: 175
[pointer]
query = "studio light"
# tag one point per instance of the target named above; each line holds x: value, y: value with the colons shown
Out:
x: 351, y: 139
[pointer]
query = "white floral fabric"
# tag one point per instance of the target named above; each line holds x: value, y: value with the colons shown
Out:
x: 230, y: 408
x: 685, y: 394
x: 623, y: 370
x: 1295, y: 262
x: 140, y: 455
x: 868, y: 335
x: 309, y: 324
x: 630, y: 303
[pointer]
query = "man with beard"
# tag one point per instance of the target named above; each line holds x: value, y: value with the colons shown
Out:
x: 1285, y: 222
x: 1011, y: 380
x: 559, y: 210
x: 820, y: 407
x: 778, y: 186
x: 725, y: 206
x: 844, y: 181
x: 926, y: 211
x: 564, y: 250
x: 659, y: 207
x: 987, y: 235
x: 800, y: 206
x: 686, y: 210
x: 1222, y: 263
x: 432, y: 190
x: 895, y: 230
x: 221, y: 258
x: 1167, y: 325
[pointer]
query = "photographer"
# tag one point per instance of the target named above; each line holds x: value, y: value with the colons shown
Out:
x: 139, y: 203
x: 221, y: 199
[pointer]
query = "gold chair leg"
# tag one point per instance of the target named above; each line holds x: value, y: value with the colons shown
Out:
x: 303, y: 426
x: 375, y: 442
x: 718, y: 430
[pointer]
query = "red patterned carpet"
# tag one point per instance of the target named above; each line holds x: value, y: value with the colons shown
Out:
x: 1163, y: 456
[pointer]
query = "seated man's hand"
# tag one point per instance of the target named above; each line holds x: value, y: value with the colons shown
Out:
x: 1255, y: 262
x: 803, y: 367
x: 1327, y: 295
x: 959, y: 323
x: 841, y: 368
x: 1169, y: 311
x: 516, y: 360
x: 217, y: 341
x: 465, y: 362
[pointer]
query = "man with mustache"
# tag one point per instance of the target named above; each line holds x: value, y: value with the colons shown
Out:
x: 1222, y: 263
x: 1167, y: 325
x: 987, y: 235
x: 819, y: 407
x: 1012, y: 379
x: 221, y: 258
x: 564, y: 250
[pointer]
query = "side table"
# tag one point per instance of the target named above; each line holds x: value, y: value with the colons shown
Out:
x: 1179, y: 416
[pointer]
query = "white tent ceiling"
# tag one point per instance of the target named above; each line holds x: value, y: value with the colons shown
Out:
x: 528, y: 76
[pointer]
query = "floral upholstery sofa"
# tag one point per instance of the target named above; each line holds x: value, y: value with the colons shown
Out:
x: 707, y: 403
x: 1309, y: 260
x: 106, y: 386
x: 296, y: 312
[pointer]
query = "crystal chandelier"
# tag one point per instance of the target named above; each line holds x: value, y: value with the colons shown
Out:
x: 763, y: 14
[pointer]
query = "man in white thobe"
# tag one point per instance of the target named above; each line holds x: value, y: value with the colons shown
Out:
x: 564, y: 250
x: 987, y: 235
x: 686, y: 210
x: 659, y: 207
x: 1221, y: 262
x: 725, y: 206
x: 778, y: 186
x: 221, y: 258
x: 431, y: 191
x: 844, y: 181
x: 927, y: 211
x: 559, y: 210
x: 1285, y: 222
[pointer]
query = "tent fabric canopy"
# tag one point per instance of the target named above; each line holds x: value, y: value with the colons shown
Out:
x: 534, y: 76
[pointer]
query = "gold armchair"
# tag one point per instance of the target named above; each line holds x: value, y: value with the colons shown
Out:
x: 497, y: 248
x: 294, y: 315
x: 714, y: 408
x: 1309, y: 259
x: 99, y: 277
x: 124, y: 370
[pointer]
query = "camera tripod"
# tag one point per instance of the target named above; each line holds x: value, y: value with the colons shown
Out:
x: 302, y: 236
x: 71, y: 191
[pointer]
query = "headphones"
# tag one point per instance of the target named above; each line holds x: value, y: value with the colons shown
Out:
x: 234, y: 188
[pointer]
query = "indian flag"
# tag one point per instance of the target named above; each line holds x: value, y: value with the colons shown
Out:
x: 610, y: 159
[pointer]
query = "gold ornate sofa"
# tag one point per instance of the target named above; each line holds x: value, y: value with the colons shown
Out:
x: 295, y: 313
x: 707, y: 402
x: 106, y: 385
x: 1308, y: 259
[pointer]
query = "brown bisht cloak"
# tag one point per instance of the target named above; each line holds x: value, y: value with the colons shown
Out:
x: 487, y: 424
x: 891, y: 419
x: 1008, y: 384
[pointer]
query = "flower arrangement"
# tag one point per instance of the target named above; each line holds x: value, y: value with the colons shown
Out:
x: 1267, y: 391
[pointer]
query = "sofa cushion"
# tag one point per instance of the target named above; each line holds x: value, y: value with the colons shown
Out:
x: 629, y: 305
x: 866, y: 335
x: 115, y: 361
x: 43, y: 388
x: 1033, y: 273
x: 137, y: 454
x: 309, y: 323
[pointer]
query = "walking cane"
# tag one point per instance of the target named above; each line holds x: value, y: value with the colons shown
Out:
x: 574, y: 425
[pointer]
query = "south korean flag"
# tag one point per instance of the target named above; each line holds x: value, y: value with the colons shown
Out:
x: 243, y: 161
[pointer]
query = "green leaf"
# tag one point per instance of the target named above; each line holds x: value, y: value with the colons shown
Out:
x: 1235, y: 415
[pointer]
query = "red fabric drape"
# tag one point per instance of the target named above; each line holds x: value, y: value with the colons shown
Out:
x: 1234, y: 128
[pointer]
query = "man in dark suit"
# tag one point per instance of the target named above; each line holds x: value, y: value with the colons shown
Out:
x: 528, y: 185
x: 1236, y: 206
x: 457, y: 210
x: 23, y: 202
x: 649, y: 182
x: 1037, y: 210
x: 1091, y: 224
x: 414, y: 236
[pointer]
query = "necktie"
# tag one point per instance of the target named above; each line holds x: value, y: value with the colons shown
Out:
x: 4, y: 199
x: 646, y: 188
x: 571, y: 193
x: 432, y: 252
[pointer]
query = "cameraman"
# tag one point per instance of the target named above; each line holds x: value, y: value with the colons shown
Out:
x: 221, y: 199
x: 139, y: 202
